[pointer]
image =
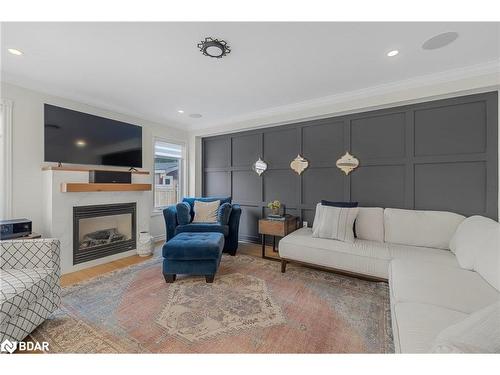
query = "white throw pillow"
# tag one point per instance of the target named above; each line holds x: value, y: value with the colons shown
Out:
x: 205, y: 212
x: 370, y: 224
x: 420, y: 228
x: 477, y: 333
x: 334, y: 223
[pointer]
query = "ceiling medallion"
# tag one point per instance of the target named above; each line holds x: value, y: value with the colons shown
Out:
x: 347, y: 163
x: 259, y: 166
x: 214, y: 48
x: 299, y: 164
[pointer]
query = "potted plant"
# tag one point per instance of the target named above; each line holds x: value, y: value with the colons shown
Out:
x: 275, y: 207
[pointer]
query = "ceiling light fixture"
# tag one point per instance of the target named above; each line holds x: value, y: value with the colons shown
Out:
x: 393, y: 53
x: 195, y: 115
x: 214, y: 48
x: 14, y: 51
x: 180, y: 111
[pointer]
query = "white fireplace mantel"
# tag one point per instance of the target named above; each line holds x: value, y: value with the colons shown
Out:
x: 58, y: 211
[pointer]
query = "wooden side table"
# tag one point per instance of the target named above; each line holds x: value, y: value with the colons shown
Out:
x: 276, y: 228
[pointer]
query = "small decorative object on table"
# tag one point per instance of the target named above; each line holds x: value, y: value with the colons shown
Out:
x: 275, y: 227
x: 145, y: 244
x: 275, y: 209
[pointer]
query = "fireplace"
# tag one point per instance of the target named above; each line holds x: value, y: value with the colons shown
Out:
x: 103, y: 230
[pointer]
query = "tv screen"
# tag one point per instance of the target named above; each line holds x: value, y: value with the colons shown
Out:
x: 81, y: 138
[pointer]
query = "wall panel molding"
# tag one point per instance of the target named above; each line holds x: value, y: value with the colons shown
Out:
x: 437, y: 155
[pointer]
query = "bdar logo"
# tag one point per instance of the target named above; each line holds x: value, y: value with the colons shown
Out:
x: 8, y: 346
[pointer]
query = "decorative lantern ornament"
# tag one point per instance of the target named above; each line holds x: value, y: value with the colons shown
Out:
x: 299, y: 164
x: 347, y: 163
x: 259, y: 166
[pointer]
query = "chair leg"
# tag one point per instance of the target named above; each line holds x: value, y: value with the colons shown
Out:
x: 169, y: 278
x: 209, y: 278
x: 283, y: 265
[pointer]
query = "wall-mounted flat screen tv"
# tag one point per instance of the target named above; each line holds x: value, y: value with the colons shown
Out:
x: 81, y: 138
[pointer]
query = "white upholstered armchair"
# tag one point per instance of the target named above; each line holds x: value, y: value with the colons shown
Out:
x: 29, y: 285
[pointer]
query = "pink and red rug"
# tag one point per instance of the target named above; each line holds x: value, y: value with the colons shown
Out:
x: 250, y: 308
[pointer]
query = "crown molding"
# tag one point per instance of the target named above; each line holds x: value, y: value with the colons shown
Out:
x: 71, y: 95
x: 322, y: 107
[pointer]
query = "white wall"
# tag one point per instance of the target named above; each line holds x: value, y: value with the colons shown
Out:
x: 27, y: 148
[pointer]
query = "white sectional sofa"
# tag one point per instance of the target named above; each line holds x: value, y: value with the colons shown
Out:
x: 442, y: 268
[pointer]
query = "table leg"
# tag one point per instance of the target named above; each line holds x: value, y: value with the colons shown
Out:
x: 263, y: 246
x: 274, y: 244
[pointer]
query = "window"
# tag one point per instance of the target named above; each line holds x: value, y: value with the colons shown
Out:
x: 168, y: 176
x: 5, y: 158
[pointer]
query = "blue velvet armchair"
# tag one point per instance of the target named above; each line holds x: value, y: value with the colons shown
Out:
x: 228, y: 221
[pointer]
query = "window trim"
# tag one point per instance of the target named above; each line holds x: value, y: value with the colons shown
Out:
x: 7, y: 117
x: 183, y: 169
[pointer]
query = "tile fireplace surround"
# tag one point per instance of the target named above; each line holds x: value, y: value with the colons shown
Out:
x: 58, y: 211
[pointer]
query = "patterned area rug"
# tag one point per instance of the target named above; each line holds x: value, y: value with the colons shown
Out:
x: 250, y: 308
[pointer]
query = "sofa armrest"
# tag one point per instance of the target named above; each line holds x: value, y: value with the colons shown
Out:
x: 36, y: 253
x: 234, y: 227
x: 170, y: 216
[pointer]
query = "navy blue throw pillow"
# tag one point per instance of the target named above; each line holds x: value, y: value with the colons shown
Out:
x: 183, y: 213
x: 339, y: 204
x: 224, y: 213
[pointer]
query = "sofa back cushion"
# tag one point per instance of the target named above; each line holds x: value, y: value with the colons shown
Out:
x: 476, y: 245
x: 369, y: 224
x: 420, y: 228
x: 191, y: 200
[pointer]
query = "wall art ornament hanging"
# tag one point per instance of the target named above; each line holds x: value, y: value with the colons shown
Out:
x: 259, y: 166
x: 347, y: 163
x: 299, y: 164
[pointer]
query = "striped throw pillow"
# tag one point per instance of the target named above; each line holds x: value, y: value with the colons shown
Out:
x: 335, y: 223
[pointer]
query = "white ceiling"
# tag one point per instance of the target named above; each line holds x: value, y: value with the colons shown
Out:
x: 154, y: 69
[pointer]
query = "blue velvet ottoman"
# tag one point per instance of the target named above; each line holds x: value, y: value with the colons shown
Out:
x: 192, y: 253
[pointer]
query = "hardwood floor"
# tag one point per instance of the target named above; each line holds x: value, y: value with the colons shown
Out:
x: 89, y: 273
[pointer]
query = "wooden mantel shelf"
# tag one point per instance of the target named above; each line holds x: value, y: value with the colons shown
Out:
x: 84, y: 169
x: 79, y: 187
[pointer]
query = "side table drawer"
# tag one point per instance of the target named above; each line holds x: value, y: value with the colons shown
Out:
x: 273, y: 228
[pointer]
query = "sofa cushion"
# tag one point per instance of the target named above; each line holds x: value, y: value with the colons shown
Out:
x: 420, y: 228
x: 183, y: 213
x: 440, y: 285
x: 224, y: 213
x: 476, y: 244
x: 205, y: 212
x: 487, y: 262
x: 369, y: 224
x: 194, y: 246
x: 203, y: 227
x: 477, y: 333
x: 191, y: 200
x: 20, y: 288
x: 416, y: 325
x: 334, y: 223
x: 426, y: 254
x: 363, y: 257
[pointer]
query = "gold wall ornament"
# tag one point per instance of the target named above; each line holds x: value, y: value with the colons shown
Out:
x: 299, y: 164
x: 347, y: 163
x: 259, y: 166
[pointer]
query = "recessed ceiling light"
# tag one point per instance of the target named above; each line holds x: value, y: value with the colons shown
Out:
x: 14, y: 51
x: 81, y: 143
x: 180, y: 111
x: 440, y: 40
x: 195, y: 115
x: 392, y: 53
